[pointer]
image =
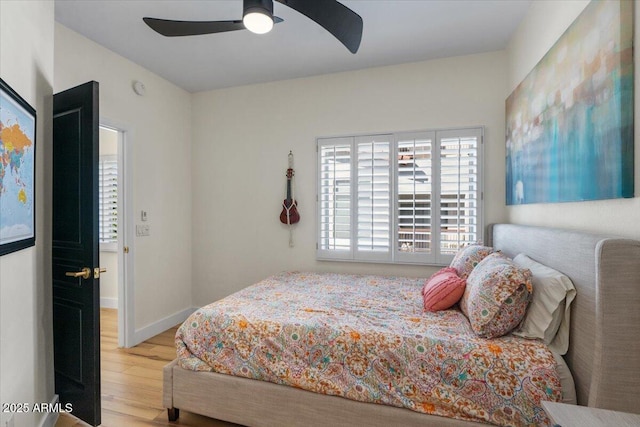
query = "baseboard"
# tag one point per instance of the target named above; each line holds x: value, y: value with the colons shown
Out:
x: 161, y: 325
x: 109, y: 303
x: 50, y: 419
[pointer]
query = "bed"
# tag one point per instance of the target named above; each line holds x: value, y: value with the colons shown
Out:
x: 604, y: 362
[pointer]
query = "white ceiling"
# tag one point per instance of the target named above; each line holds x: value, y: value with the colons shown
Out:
x: 395, y: 32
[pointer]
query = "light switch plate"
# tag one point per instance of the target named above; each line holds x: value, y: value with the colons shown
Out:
x: 143, y: 215
x: 142, y: 230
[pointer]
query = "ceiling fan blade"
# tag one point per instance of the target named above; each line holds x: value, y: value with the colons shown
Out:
x: 339, y: 20
x: 170, y: 28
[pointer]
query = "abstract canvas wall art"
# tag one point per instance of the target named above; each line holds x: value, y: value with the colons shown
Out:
x: 569, y: 123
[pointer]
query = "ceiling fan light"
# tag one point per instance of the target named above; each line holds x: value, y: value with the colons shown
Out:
x: 258, y: 16
x: 258, y: 22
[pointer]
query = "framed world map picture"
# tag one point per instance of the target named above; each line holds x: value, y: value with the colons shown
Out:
x: 17, y: 171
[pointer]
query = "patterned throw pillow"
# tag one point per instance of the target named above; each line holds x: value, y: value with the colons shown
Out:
x: 496, y: 297
x: 442, y: 290
x: 468, y: 257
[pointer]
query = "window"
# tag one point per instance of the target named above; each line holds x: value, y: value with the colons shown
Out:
x: 108, y: 202
x: 402, y: 198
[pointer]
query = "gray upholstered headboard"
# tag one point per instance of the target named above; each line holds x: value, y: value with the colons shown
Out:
x: 604, y: 348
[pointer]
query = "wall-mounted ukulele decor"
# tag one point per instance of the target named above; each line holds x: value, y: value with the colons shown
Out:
x: 289, y: 214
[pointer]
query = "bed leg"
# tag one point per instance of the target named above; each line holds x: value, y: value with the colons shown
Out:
x: 173, y: 414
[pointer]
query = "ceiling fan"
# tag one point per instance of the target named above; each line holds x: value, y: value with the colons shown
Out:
x: 339, y: 20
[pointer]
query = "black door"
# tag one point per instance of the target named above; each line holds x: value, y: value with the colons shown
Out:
x: 75, y: 269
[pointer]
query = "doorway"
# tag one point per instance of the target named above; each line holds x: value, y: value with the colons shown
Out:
x: 115, y: 215
x: 108, y: 207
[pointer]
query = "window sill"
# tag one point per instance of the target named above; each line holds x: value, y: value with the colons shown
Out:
x: 363, y: 261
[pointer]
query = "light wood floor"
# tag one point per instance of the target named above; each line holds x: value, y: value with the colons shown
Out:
x: 132, y: 381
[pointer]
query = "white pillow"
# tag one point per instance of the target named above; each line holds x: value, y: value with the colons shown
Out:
x: 567, y: 384
x: 548, y: 314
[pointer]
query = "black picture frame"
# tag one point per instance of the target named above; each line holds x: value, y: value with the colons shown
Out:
x: 17, y: 171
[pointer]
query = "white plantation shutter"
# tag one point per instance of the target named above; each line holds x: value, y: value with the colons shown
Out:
x: 374, y: 197
x: 404, y: 198
x: 108, y: 200
x: 459, y: 190
x: 334, y: 198
x: 414, y: 197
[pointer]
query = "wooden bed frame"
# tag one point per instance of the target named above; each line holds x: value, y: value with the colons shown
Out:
x: 604, y: 350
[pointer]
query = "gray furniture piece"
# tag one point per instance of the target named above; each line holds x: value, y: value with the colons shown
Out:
x: 604, y: 350
x: 584, y: 416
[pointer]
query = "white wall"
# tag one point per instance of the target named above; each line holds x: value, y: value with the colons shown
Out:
x: 545, y: 22
x: 241, y: 138
x: 109, y: 259
x: 26, y: 338
x: 159, y: 127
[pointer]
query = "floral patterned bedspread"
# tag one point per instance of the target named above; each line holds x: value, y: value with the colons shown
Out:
x: 366, y: 338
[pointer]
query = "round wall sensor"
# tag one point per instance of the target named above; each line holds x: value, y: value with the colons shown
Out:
x: 138, y: 87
